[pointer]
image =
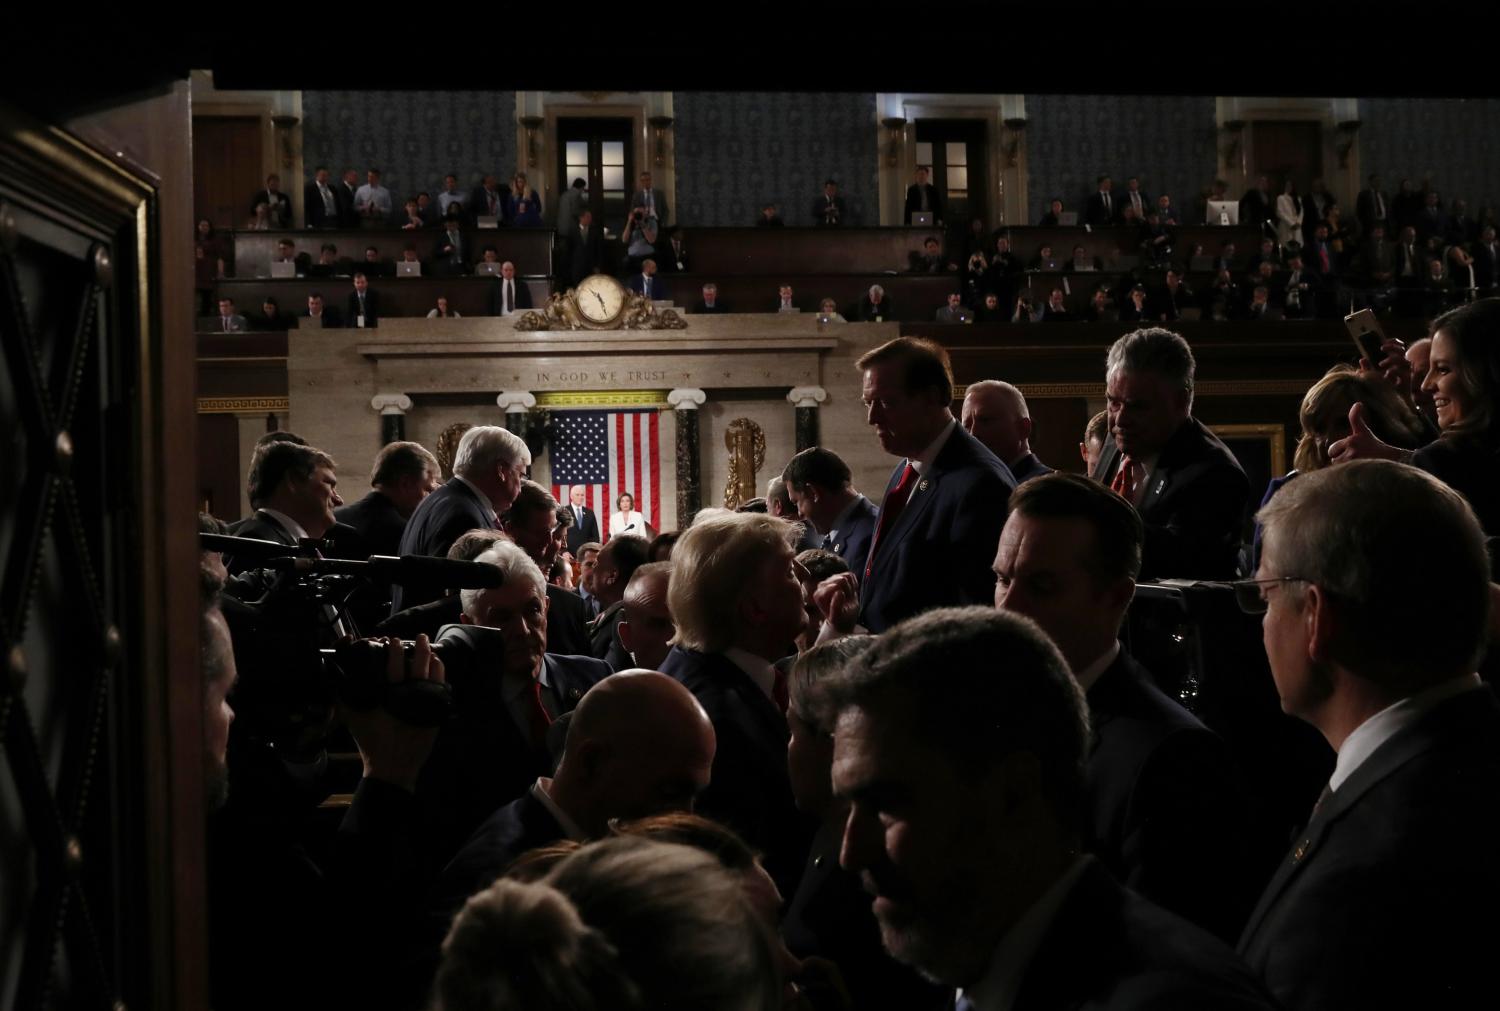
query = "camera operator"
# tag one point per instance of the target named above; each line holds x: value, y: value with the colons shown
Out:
x: 639, y: 239
x: 280, y: 899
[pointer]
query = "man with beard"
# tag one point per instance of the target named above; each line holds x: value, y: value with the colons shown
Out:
x: 964, y: 824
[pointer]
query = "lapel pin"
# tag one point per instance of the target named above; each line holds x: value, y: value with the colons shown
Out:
x: 922, y: 485
x: 574, y: 693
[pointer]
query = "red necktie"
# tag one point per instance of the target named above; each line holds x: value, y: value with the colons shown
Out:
x: 779, y: 691
x: 1124, y: 482
x: 540, y: 721
x: 1323, y: 258
x: 890, y: 510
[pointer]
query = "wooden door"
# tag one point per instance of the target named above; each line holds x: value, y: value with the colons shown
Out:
x: 598, y: 150
x: 1282, y: 149
x: 226, y: 168
x: 954, y: 152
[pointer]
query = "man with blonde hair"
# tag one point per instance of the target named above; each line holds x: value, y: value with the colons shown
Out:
x: 736, y: 595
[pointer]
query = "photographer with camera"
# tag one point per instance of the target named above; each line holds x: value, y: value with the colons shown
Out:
x: 639, y: 238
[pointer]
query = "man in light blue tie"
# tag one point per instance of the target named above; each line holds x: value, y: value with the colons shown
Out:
x: 647, y: 283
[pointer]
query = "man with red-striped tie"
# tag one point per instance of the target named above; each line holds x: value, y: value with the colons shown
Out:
x: 1189, y: 489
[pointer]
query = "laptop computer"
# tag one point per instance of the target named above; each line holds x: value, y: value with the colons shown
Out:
x: 1069, y: 218
x: 486, y: 221
x: 405, y: 269
x: 283, y: 268
x: 492, y: 269
x: 1223, y: 212
x: 921, y: 219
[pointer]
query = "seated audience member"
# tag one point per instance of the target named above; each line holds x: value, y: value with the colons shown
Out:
x: 1187, y: 486
x: 874, y: 307
x: 647, y: 283
x: 828, y: 209
x: 1226, y: 258
x: 645, y: 628
x: 1376, y: 903
x: 362, y: 306
x: 829, y: 916
x: 1101, y: 308
x: 736, y: 596
x: 325, y: 315
x: 229, y: 320
x: 509, y: 294
x: 944, y: 504
x: 990, y: 310
x: 1044, y: 260
x: 294, y: 498
x: 711, y: 302
x: 1054, y: 214
x: 329, y: 264
x: 488, y: 469
x: 638, y: 744
x: 531, y: 522
x: 819, y: 485
x: 1082, y: 263
x: 278, y: 205
x: 955, y: 311
x: 1221, y: 300
x: 784, y: 301
x: 779, y: 503
x: 409, y: 254
x: 1155, y: 240
x: 674, y: 255
x: 1268, y: 254
x: 770, y: 217
x: 523, y: 206
x: 450, y: 249
x: 625, y: 924
x: 271, y: 317
x: 967, y: 823
x: 441, y: 310
x: 1056, y: 310
x: 818, y: 564
x: 828, y: 312
x: 930, y: 259
x: 403, y: 474
x: 922, y: 196
x: 617, y: 562
x: 286, y: 252
x: 1464, y: 380
x: 1437, y: 288
x: 374, y: 265
x: 495, y: 745
x: 1299, y: 292
x: 996, y: 414
x: 1135, y: 309
x: 1166, y: 816
x: 1259, y: 307
x: 1095, y: 434
x: 1168, y: 301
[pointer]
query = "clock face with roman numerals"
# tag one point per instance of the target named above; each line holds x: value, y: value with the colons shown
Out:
x: 601, y: 298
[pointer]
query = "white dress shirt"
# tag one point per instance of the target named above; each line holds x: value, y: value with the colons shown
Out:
x: 570, y: 828
x: 925, y: 461
x: 288, y: 524
x: 759, y: 669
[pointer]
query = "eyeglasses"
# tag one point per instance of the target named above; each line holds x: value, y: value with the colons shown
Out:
x: 1248, y: 595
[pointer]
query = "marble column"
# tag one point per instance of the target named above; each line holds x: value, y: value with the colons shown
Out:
x: 685, y: 403
x: 516, y: 404
x: 806, y: 399
x: 392, y: 408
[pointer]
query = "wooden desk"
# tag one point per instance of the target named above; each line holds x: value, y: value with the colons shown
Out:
x: 530, y: 249
x: 399, y: 296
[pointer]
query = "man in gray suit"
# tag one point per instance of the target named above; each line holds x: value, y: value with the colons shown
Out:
x: 654, y: 200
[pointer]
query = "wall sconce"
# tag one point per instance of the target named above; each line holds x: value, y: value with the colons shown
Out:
x: 894, y: 125
x: 1012, y: 146
x: 1234, y: 130
x: 532, y: 125
x: 659, y: 127
x: 284, y: 140
x: 1348, y: 131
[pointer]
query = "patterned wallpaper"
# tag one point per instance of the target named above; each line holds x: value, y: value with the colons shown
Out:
x: 738, y: 150
x: 1167, y: 141
x: 413, y: 137
x: 1455, y: 141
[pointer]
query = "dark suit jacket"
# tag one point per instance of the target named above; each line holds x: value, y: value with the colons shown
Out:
x: 443, y: 259
x: 379, y: 522
x: 820, y: 209
x: 853, y: 545
x: 1141, y: 958
x: 348, y: 216
x: 482, y: 760
x: 750, y: 789
x: 914, y: 202
x: 719, y: 306
x: 522, y: 296
x: 585, y: 527
x: 585, y: 258
x: 1364, y: 209
x: 1256, y: 208
x: 451, y: 510
x: 281, y: 207
x: 1166, y: 815
x: 658, y: 286
x: 372, y: 308
x: 1388, y: 897
x: 478, y: 204
x: 940, y: 550
x: 259, y: 526
x: 604, y: 638
x: 567, y: 623
x: 868, y: 310
x: 332, y: 318
x: 520, y: 826
x: 1028, y: 467
x: 312, y: 205
x: 1094, y: 213
x: 1193, y: 506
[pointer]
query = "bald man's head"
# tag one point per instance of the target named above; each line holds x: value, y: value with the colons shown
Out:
x: 646, y: 627
x: 639, y: 744
x: 995, y: 413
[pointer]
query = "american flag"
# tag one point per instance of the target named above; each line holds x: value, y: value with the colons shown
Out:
x: 609, y: 453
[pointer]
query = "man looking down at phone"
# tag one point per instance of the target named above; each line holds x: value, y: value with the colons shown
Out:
x: 1187, y: 486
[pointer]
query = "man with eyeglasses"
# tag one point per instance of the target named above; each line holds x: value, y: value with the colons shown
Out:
x: 1164, y: 813
x: 1379, y: 901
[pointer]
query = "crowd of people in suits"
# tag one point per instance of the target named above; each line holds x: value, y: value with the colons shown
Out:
x: 832, y: 750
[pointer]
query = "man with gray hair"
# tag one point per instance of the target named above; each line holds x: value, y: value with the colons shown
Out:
x: 1187, y: 486
x: 488, y: 468
x: 965, y: 825
x: 505, y: 697
x: 1382, y: 899
x: 996, y: 414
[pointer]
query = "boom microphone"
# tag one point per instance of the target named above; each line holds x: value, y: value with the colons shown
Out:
x: 407, y: 570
